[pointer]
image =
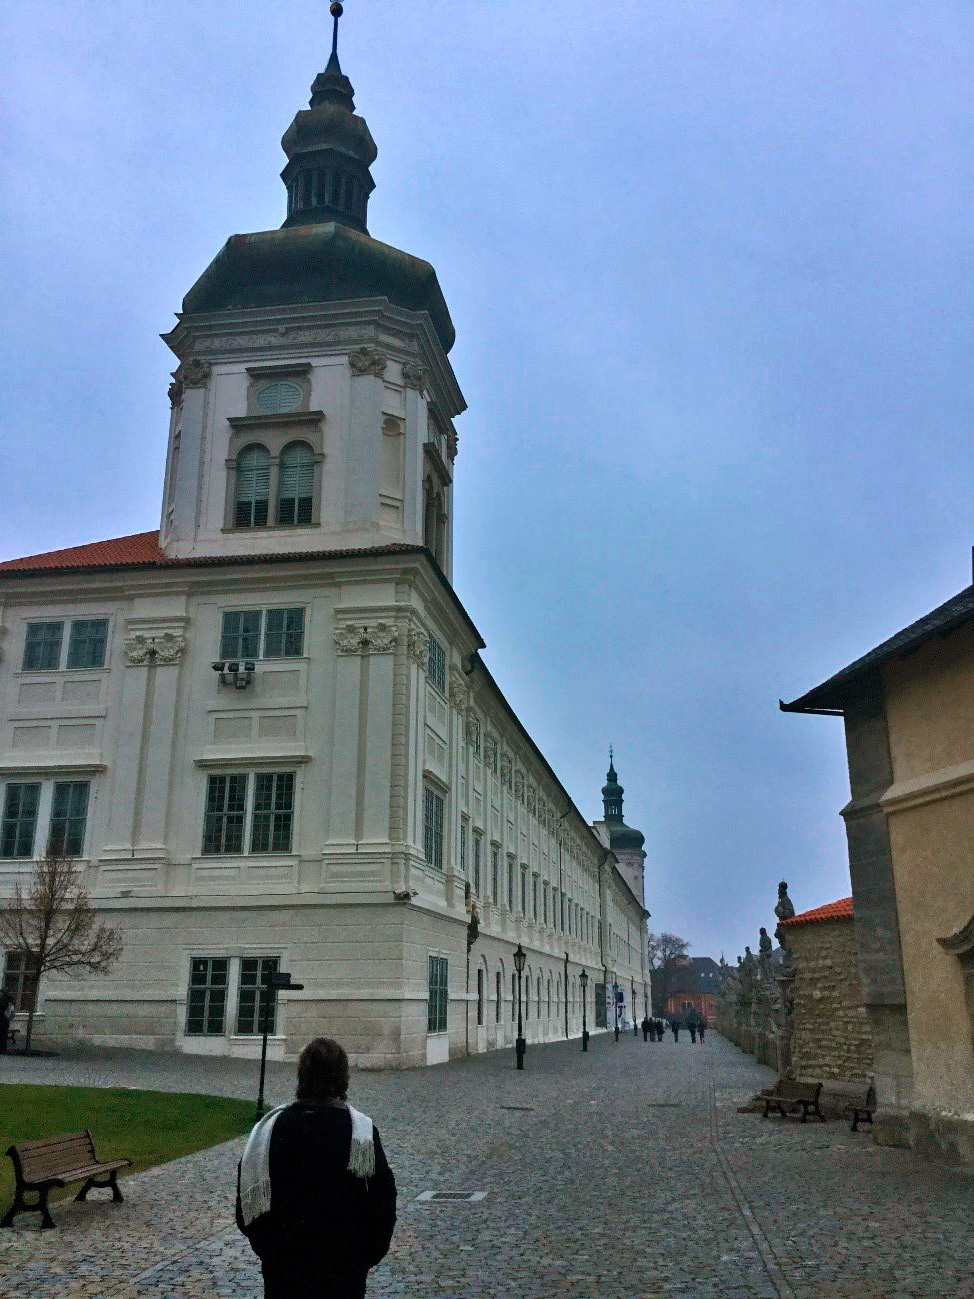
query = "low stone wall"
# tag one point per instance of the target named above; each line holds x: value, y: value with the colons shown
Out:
x: 831, y: 1029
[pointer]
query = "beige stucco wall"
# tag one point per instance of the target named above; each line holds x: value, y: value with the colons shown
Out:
x: 930, y: 711
x: 832, y: 1037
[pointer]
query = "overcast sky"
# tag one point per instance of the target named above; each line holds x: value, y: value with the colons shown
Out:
x: 710, y: 269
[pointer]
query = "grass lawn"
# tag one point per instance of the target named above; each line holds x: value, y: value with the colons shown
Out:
x: 146, y: 1127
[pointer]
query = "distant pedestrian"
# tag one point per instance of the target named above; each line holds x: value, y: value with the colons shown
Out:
x: 675, y: 1026
x: 645, y: 1028
x: 703, y: 1026
x: 660, y: 1030
x: 6, y: 1015
x: 315, y: 1195
x: 692, y: 1026
x: 635, y: 1026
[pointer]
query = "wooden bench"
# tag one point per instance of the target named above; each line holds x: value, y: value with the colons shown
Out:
x: 42, y: 1166
x: 862, y: 1107
x: 796, y: 1095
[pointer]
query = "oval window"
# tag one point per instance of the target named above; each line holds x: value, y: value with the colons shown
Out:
x: 279, y: 397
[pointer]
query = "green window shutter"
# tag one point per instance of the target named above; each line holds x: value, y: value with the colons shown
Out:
x: 42, y: 648
x: 295, y: 500
x: 253, y: 487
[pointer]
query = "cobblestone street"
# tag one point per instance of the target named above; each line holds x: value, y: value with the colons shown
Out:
x: 623, y: 1173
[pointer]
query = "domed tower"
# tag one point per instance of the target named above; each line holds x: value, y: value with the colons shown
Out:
x: 313, y: 404
x: 626, y: 843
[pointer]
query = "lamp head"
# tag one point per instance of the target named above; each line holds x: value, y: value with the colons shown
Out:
x: 519, y: 959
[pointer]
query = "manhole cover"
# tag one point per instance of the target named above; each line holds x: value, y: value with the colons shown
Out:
x: 451, y: 1197
x: 527, y: 1109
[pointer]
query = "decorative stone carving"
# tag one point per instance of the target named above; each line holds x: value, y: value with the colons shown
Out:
x: 366, y: 361
x: 507, y: 771
x: 414, y: 376
x: 453, y: 444
x: 383, y: 637
x: 519, y: 786
x: 351, y: 639
x: 458, y: 688
x: 473, y: 725
x: 490, y: 752
x: 378, y: 639
x: 193, y: 373
x: 165, y: 648
x: 175, y: 390
x: 417, y: 646
x: 532, y: 799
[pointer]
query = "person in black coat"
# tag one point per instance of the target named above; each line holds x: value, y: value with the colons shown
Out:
x: 645, y: 1028
x: 660, y: 1029
x: 675, y: 1026
x: 702, y: 1027
x: 315, y: 1195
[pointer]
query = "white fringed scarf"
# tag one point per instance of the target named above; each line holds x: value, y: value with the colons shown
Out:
x: 255, y: 1175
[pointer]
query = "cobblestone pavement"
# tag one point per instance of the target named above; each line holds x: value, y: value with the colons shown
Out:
x: 623, y: 1174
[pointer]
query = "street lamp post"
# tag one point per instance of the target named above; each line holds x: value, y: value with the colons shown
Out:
x: 615, y: 1006
x: 275, y: 981
x: 520, y: 1044
x: 583, y: 984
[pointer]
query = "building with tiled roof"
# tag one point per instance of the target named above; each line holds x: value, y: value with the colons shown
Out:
x: 264, y: 730
x: 908, y: 712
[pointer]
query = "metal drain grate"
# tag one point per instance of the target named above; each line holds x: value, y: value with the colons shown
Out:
x: 525, y: 1109
x: 451, y: 1197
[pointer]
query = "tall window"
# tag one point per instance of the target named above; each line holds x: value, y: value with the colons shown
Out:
x: 240, y: 636
x: 433, y: 828
x: 69, y: 815
x: 539, y: 996
x: 253, y: 995
x: 510, y: 886
x: 544, y: 902
x: 534, y: 899
x: 524, y: 890
x: 463, y: 849
x: 438, y: 995
x: 436, y: 665
x: 283, y: 633
x: 226, y: 811
x: 42, y: 648
x: 253, y: 487
x: 477, y: 846
x: 295, y: 497
x: 225, y: 820
x: 497, y: 999
x: 495, y: 870
x: 480, y: 997
x: 20, y: 981
x: 19, y: 824
x: 273, y: 812
x: 87, y: 643
x: 206, y: 1003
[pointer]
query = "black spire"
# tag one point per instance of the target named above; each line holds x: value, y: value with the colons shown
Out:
x: 612, y: 793
x: 330, y: 151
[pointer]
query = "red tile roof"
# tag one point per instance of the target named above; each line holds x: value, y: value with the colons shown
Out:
x: 841, y: 910
x: 140, y: 548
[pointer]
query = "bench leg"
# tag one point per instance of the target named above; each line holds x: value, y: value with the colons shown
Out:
x: 18, y: 1206
x: 93, y: 1184
x: 818, y: 1113
x: 47, y: 1222
x: 855, y: 1121
x: 116, y: 1193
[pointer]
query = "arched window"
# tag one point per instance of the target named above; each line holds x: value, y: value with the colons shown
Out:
x: 295, y: 497
x: 549, y: 996
x: 497, y: 1010
x: 253, y: 487
x: 539, y: 996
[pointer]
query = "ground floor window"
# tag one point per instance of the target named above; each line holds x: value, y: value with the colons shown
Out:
x: 438, y: 995
x: 20, y: 981
x: 253, y: 995
x: 217, y: 982
x: 497, y: 1009
x: 480, y: 998
x: 206, y: 1003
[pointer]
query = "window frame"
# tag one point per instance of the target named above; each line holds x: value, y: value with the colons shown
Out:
x: 65, y: 642
x: 18, y: 822
x: 76, y: 639
x: 250, y: 811
x: 18, y: 981
x: 436, y: 664
x: 70, y: 816
x: 433, y: 832
x: 262, y: 632
x: 438, y: 995
x: 259, y: 991
x: 207, y: 987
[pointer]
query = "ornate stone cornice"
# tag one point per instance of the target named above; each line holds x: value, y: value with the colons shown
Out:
x: 367, y: 361
x: 418, y: 645
x: 414, y: 376
x: 193, y: 373
x: 458, y: 691
x: 167, y: 647
x: 356, y: 638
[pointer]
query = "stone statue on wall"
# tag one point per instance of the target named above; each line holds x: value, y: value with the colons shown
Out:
x: 765, y: 948
x: 784, y: 910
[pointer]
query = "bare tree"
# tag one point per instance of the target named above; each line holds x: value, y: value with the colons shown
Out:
x: 53, y: 926
x: 663, y: 949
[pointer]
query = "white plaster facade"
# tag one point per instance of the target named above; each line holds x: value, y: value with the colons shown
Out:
x: 355, y: 725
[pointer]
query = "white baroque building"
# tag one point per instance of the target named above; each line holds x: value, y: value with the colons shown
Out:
x: 266, y: 730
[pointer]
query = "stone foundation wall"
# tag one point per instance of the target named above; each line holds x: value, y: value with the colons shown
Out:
x: 832, y: 1038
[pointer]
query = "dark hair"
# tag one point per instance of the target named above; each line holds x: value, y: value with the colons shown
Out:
x: 322, y: 1071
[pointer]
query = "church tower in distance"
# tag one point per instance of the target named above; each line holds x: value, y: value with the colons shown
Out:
x: 294, y: 346
x: 626, y: 843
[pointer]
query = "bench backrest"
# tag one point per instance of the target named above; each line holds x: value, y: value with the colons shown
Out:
x: 47, y: 1158
x: 789, y: 1089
